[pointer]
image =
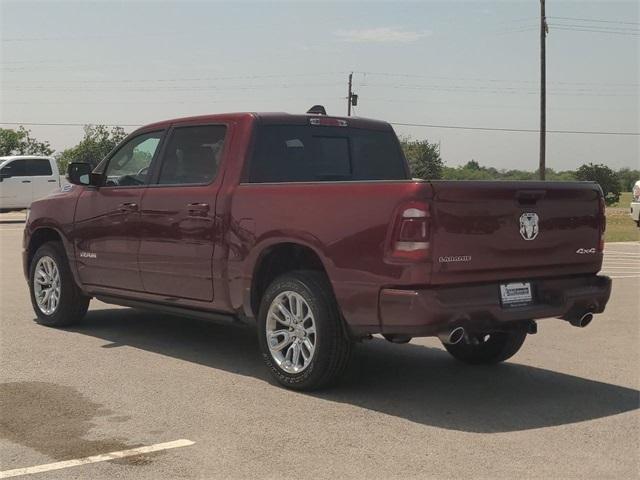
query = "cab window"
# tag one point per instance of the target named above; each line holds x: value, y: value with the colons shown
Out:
x: 192, y: 155
x: 130, y: 164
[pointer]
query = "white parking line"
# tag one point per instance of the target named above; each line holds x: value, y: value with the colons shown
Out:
x: 95, y: 458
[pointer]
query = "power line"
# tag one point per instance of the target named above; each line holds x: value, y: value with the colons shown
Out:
x: 491, y: 80
x: 501, y: 90
x: 429, y: 125
x: 612, y: 32
x: 599, y: 27
x: 596, y: 20
x: 35, y: 124
x: 178, y: 79
x: 168, y: 88
x: 523, y: 130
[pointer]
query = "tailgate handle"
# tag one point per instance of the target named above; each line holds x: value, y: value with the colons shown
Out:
x: 529, y: 197
x: 128, y: 207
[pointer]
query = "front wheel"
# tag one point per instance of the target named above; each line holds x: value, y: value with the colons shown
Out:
x: 56, y: 299
x: 301, y: 335
x: 488, y: 348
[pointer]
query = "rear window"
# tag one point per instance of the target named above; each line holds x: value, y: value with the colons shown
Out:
x: 298, y: 153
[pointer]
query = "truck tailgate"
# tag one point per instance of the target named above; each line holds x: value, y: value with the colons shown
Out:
x: 485, y: 231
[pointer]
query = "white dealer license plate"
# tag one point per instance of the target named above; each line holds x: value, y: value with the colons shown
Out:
x: 515, y: 294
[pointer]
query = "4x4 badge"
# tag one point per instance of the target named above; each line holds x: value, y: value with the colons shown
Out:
x: 529, y: 225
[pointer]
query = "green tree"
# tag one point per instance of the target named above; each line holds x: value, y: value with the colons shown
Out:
x: 473, y: 165
x: 97, y: 142
x: 423, y: 157
x: 20, y: 142
x: 627, y: 178
x: 605, y: 177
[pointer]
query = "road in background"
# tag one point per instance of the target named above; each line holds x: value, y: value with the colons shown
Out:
x: 566, y: 406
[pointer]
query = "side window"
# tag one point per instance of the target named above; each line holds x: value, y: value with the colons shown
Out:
x: 130, y: 164
x: 282, y: 154
x: 192, y: 155
x: 39, y: 167
x: 17, y: 168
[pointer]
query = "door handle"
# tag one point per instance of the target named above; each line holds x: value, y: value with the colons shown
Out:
x: 52, y: 181
x: 198, y: 209
x: 128, y: 207
x: 26, y: 181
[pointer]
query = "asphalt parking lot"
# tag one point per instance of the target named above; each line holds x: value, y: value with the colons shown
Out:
x: 566, y: 406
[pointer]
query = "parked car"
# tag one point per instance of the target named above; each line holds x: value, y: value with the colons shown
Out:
x: 311, y: 228
x: 635, y: 204
x: 24, y: 179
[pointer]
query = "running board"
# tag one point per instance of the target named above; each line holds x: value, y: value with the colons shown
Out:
x: 216, y: 317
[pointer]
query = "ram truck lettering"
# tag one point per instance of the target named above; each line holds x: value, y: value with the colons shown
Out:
x: 311, y: 228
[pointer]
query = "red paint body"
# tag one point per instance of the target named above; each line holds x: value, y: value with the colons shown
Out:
x: 206, y: 260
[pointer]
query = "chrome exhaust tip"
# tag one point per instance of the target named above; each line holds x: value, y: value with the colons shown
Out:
x: 585, y: 319
x: 453, y: 336
x: 582, y: 320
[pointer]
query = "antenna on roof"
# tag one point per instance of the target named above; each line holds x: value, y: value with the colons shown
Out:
x: 317, y: 110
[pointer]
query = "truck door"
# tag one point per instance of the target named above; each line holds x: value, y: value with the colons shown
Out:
x: 43, y: 180
x: 107, y: 221
x: 178, y: 223
x: 15, y: 185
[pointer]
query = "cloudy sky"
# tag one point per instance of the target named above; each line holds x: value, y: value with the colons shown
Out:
x: 473, y: 64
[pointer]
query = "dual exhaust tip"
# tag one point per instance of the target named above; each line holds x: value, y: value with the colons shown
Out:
x: 457, y: 334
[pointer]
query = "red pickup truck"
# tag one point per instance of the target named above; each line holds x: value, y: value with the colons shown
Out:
x: 311, y: 227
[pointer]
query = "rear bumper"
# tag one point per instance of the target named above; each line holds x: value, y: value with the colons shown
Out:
x: 429, y: 311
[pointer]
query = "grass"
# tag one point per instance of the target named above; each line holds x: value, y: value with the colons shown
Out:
x: 624, y: 201
x: 620, y: 227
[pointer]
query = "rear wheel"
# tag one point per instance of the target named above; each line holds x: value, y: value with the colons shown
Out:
x: 56, y: 299
x: 301, y: 335
x: 487, y: 348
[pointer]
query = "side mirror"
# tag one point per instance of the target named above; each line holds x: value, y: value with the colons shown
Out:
x: 79, y: 173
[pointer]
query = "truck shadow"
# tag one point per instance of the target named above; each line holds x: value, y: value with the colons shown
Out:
x: 414, y: 382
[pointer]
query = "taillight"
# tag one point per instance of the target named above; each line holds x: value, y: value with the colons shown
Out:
x: 410, y: 239
x: 603, y: 223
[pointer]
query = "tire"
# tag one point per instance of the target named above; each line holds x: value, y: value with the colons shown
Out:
x: 332, y: 346
x: 71, y: 305
x: 492, y: 347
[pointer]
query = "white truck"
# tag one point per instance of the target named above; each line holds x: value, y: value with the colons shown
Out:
x: 26, y: 178
x: 635, y: 204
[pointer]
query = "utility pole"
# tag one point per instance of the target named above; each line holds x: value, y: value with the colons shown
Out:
x: 543, y: 90
x: 349, y: 96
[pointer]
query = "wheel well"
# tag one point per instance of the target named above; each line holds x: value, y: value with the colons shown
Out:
x: 277, y: 260
x: 39, y: 238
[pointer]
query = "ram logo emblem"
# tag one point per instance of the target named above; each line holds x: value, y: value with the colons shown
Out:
x: 529, y: 225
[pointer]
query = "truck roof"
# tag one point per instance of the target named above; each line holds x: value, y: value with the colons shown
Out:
x: 26, y: 157
x: 272, y: 118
